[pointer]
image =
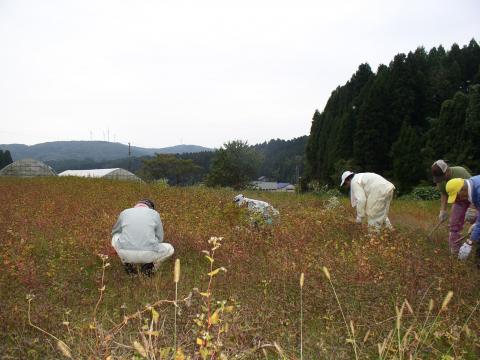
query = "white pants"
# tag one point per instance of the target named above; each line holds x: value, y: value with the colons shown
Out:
x: 143, y: 256
x: 378, y: 206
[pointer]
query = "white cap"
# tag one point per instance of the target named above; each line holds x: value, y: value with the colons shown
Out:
x: 238, y: 198
x: 439, y: 165
x: 345, y: 175
x: 442, y: 165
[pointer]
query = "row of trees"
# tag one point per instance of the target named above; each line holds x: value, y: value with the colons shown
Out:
x: 235, y: 164
x: 397, y: 121
x: 5, y: 158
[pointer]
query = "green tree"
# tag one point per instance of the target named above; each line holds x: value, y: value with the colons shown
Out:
x: 5, y: 158
x: 235, y: 164
x: 332, y: 132
x: 282, y: 159
x: 472, y: 130
x: 428, y: 91
x: 408, y: 168
x: 170, y: 167
x: 371, y: 145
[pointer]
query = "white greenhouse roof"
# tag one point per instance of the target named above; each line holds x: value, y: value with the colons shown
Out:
x: 94, y: 173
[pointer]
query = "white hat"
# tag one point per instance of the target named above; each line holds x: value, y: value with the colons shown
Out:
x: 439, y: 168
x: 345, y: 175
x: 238, y: 198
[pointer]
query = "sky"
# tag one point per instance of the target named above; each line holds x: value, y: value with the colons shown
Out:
x: 162, y: 73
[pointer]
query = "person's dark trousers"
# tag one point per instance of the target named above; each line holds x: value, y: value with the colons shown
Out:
x: 147, y: 269
x: 130, y: 269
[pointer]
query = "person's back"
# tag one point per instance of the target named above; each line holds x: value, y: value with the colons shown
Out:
x: 475, y: 191
x: 137, y: 238
x: 372, y: 182
x: 371, y: 195
x: 140, y: 229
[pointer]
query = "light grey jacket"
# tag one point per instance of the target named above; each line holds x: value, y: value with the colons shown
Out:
x: 140, y: 228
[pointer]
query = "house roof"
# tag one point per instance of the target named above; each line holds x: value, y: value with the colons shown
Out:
x: 271, y: 185
x: 88, y: 173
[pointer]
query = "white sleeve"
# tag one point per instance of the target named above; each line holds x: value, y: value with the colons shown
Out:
x: 361, y: 199
x: 117, y: 228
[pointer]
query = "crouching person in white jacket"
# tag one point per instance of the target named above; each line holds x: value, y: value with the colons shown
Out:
x: 371, y: 195
x: 266, y: 211
x: 137, y: 237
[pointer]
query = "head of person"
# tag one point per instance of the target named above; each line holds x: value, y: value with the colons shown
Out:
x: 440, y: 171
x: 239, y: 199
x: 457, y: 190
x: 346, y: 178
x: 145, y: 202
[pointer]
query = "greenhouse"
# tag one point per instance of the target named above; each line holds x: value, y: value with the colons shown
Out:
x: 27, y: 168
x: 113, y: 174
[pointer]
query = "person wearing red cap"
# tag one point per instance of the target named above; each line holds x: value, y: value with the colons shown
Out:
x: 461, y: 210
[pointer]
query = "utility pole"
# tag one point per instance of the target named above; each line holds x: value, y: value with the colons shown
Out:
x: 129, y: 158
x: 298, y: 160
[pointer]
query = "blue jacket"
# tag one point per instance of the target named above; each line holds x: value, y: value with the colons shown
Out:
x: 475, y: 188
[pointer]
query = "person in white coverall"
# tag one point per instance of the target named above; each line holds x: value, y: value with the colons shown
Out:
x: 267, y: 211
x: 137, y: 237
x: 371, y: 195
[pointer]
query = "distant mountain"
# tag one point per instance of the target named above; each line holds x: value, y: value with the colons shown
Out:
x: 93, y: 150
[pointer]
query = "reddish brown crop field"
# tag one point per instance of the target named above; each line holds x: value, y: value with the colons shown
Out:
x: 364, y: 296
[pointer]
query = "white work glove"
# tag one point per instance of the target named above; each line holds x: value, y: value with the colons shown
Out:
x: 471, y: 215
x: 358, y: 220
x: 465, y: 250
x: 443, y: 215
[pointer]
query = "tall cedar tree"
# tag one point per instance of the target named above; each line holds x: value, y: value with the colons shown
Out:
x: 407, y: 169
x: 432, y: 94
x: 5, y: 158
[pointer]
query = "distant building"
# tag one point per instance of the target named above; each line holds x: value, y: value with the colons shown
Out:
x: 27, y: 168
x: 113, y: 174
x: 272, y: 186
x: 264, y: 179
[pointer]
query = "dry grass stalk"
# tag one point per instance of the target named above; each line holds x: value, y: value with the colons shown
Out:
x: 302, y: 280
x: 350, y: 336
x: 66, y: 351
x: 176, y: 279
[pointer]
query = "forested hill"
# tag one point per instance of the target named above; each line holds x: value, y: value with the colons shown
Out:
x: 283, y: 160
x: 397, y: 121
x: 89, y: 150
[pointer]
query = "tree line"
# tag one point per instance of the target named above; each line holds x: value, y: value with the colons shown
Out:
x: 5, y: 158
x: 397, y: 121
x: 234, y: 164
